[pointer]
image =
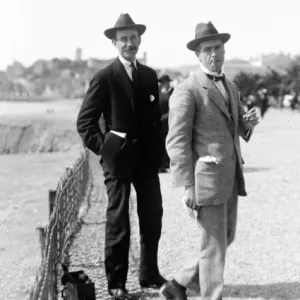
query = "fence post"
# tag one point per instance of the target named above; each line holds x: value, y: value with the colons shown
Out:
x: 41, y: 231
x: 52, y: 196
x: 51, y: 284
x: 42, y: 241
x: 52, y: 280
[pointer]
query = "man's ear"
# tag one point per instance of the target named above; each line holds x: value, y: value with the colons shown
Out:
x: 113, y: 42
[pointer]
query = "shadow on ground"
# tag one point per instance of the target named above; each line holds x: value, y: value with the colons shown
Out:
x: 276, y: 291
x: 255, y: 169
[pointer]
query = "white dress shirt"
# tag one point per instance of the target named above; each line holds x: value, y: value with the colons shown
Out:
x: 128, y: 69
x: 127, y: 66
x: 219, y: 84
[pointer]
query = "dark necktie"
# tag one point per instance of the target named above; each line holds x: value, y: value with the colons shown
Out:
x: 135, y: 86
x: 135, y: 76
x: 215, y: 78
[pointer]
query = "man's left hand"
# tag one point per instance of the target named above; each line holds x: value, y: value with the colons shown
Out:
x: 250, y: 119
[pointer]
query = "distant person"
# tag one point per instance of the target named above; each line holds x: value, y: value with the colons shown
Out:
x: 125, y: 94
x: 263, y: 101
x: 165, y: 91
x: 251, y: 101
x: 294, y: 100
x: 205, y: 121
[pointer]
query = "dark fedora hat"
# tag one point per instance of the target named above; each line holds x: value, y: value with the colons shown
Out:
x: 206, y: 32
x: 165, y: 78
x: 124, y: 22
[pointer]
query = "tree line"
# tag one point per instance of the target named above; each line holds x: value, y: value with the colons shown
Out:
x: 274, y: 85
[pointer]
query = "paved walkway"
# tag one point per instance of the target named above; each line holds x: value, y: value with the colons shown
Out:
x: 264, y: 261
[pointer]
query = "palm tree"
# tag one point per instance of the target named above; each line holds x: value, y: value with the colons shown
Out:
x: 292, y: 79
x: 248, y: 83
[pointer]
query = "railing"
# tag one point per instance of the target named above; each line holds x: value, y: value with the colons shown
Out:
x: 64, y: 207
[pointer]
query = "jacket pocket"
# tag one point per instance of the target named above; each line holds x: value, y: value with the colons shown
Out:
x: 214, y: 182
x: 119, y: 155
x: 112, y: 145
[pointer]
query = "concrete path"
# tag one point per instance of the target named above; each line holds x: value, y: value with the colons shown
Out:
x: 264, y: 261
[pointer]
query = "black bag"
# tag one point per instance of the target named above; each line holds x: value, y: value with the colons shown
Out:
x: 77, y: 285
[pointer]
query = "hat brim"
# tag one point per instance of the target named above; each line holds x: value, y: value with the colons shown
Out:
x: 192, y: 45
x: 111, y: 32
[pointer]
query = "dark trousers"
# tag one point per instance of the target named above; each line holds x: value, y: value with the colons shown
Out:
x: 117, y: 236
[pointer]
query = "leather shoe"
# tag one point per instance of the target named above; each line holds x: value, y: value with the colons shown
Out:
x: 156, y: 283
x: 119, y: 294
x: 172, y: 290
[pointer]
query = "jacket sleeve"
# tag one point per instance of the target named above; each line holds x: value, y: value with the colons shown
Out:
x: 156, y: 95
x: 179, y: 138
x: 90, y: 113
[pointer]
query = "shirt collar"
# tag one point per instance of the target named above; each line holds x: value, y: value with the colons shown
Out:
x: 125, y: 62
x: 205, y: 70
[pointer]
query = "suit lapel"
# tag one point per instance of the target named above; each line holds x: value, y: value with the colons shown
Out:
x: 233, y: 102
x: 122, y: 78
x: 213, y: 92
x: 143, y: 84
x: 142, y: 76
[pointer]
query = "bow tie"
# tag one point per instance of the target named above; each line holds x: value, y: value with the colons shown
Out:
x: 215, y: 78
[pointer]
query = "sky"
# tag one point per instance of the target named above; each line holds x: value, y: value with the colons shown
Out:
x: 44, y: 29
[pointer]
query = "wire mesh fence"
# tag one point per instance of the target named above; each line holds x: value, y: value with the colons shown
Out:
x: 64, y: 207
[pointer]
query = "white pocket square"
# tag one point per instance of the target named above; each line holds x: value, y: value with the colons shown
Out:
x: 151, y: 98
x: 209, y: 159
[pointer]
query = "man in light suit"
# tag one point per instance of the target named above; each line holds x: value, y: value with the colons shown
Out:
x: 206, y: 119
x: 125, y: 95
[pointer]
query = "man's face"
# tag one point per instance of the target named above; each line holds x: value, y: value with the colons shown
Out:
x: 165, y: 85
x: 211, y: 54
x: 127, y: 43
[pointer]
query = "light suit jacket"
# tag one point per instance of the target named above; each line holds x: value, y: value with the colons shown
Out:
x: 200, y: 126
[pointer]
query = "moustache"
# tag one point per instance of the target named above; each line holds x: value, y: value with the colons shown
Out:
x: 131, y: 48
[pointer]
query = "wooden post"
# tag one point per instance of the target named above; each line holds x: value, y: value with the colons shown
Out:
x: 52, y: 196
x: 41, y: 231
x: 52, y: 282
x: 42, y: 241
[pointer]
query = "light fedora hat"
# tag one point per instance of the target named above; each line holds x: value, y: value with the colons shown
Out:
x: 124, y: 22
x: 206, y: 32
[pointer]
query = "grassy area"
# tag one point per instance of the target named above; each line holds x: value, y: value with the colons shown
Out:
x: 25, y: 181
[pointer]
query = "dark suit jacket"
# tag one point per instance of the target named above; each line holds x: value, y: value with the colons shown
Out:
x: 134, y: 112
x: 164, y: 109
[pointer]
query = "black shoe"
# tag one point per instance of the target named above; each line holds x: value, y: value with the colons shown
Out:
x: 173, y: 290
x: 156, y: 283
x: 119, y: 294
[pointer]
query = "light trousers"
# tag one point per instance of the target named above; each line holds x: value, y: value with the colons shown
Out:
x: 217, y: 226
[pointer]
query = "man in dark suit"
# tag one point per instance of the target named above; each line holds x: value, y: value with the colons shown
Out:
x: 165, y: 91
x: 125, y: 94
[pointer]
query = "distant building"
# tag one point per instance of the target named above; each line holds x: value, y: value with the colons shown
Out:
x: 256, y: 62
x: 66, y: 73
x: 144, y: 59
x: 98, y: 64
x: 39, y: 67
x: 78, y: 54
x: 15, y: 70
